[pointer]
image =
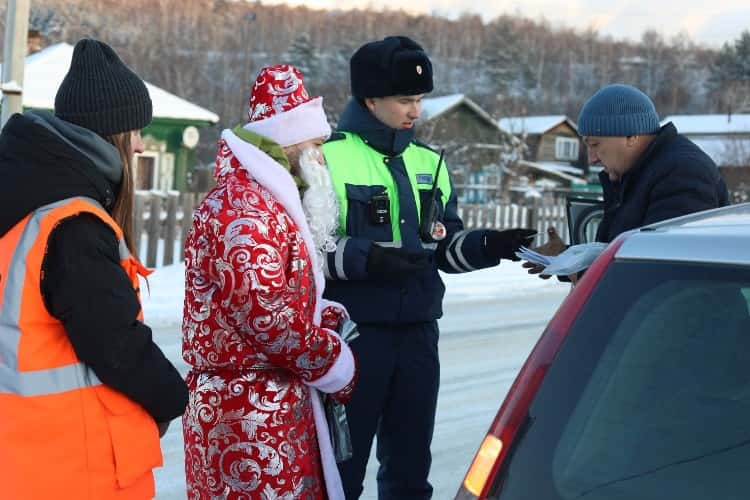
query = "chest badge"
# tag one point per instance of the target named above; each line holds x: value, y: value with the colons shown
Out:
x: 424, y: 179
x: 438, y: 231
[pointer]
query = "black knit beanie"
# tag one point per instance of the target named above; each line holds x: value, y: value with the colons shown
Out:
x: 396, y: 65
x: 100, y: 93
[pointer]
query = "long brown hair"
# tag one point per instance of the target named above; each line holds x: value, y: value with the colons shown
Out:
x: 122, y: 210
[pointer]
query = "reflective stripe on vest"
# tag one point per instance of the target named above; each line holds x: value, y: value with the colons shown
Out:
x: 352, y: 161
x: 398, y: 244
x: 48, y: 381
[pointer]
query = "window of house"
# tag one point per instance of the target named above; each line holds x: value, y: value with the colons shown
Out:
x: 566, y: 148
x: 166, y: 175
x: 146, y: 167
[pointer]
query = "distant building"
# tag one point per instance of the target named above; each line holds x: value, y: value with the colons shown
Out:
x: 725, y: 138
x: 477, y: 150
x: 169, y: 140
x: 550, y: 138
x: 554, y: 156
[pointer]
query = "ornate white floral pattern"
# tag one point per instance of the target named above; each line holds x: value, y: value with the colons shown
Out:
x: 249, y: 336
x: 281, y: 89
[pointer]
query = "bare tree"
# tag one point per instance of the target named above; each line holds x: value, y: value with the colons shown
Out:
x: 208, y: 51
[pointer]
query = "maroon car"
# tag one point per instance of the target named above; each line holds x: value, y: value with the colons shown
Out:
x: 639, y: 388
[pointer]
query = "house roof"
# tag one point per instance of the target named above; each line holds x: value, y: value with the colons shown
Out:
x: 436, y: 106
x: 565, y: 168
x: 560, y: 171
x: 533, y: 125
x: 44, y: 72
x: 433, y: 107
x: 725, y: 152
x: 710, y: 124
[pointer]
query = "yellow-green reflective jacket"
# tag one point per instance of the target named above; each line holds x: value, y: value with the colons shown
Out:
x: 361, y: 177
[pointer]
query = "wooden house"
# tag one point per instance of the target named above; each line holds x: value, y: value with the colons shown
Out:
x: 549, y: 138
x: 477, y: 150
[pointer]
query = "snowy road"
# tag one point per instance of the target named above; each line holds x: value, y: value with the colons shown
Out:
x: 483, y: 343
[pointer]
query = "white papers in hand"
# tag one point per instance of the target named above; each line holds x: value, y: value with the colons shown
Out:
x: 575, y: 258
x: 533, y: 257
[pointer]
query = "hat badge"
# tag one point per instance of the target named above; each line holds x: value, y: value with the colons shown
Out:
x: 419, y: 69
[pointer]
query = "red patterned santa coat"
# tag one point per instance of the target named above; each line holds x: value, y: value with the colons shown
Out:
x: 254, y: 427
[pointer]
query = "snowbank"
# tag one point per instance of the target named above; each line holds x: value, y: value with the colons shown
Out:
x: 162, y: 299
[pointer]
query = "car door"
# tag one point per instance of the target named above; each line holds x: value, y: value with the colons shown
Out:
x: 584, y: 216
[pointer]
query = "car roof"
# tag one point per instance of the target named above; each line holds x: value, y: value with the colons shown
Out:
x: 719, y: 236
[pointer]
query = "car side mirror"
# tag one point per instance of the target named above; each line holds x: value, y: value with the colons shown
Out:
x: 584, y: 217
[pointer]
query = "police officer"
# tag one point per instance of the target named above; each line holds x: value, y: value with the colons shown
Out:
x: 398, y: 226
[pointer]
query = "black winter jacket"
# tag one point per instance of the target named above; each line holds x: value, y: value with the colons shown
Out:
x: 673, y: 177
x: 43, y: 160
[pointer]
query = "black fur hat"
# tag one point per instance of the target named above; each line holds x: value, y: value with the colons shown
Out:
x: 396, y: 65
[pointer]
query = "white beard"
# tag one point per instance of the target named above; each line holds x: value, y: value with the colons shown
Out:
x: 319, y: 202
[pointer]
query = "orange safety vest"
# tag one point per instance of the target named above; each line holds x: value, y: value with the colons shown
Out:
x: 63, y: 434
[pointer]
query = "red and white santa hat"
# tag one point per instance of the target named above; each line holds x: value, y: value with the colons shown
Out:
x: 282, y: 110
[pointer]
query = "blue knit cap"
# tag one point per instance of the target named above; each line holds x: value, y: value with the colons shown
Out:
x: 618, y: 111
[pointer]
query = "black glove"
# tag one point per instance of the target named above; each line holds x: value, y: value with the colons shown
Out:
x: 394, y: 264
x: 505, y: 244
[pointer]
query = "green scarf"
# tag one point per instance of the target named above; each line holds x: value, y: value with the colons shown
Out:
x: 273, y: 150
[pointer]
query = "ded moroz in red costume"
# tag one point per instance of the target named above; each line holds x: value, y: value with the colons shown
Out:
x: 252, y: 333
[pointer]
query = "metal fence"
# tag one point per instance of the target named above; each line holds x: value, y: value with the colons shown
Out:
x: 162, y: 221
x: 535, y: 213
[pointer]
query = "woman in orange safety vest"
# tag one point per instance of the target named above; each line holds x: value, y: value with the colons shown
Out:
x: 85, y: 393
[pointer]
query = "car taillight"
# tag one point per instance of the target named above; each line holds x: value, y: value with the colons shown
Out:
x: 483, y: 463
x: 512, y: 413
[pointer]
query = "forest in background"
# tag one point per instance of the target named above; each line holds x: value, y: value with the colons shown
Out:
x: 209, y: 51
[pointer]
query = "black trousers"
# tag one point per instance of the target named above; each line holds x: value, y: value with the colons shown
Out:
x: 395, y: 398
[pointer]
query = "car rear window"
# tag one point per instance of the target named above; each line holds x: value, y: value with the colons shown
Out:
x: 649, y: 396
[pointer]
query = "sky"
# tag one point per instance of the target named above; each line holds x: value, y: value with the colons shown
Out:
x: 710, y: 22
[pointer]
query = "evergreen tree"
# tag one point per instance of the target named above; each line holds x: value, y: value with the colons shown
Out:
x: 504, y: 67
x: 301, y: 54
x: 729, y: 80
x: 496, y: 64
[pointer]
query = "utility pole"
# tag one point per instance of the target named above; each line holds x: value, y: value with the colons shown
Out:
x: 14, y: 53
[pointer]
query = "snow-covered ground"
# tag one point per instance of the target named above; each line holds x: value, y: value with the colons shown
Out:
x: 491, y: 320
x: 162, y: 302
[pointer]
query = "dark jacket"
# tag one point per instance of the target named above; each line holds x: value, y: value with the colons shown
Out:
x: 673, y: 177
x: 372, y: 299
x: 43, y: 160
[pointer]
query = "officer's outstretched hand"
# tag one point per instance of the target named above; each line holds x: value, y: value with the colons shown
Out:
x: 394, y: 263
x: 505, y: 244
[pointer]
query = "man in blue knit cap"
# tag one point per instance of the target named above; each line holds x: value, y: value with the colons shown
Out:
x: 650, y: 172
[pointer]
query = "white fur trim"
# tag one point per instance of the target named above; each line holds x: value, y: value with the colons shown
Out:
x: 331, y: 475
x: 280, y: 183
x: 302, y: 123
x: 341, y: 371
